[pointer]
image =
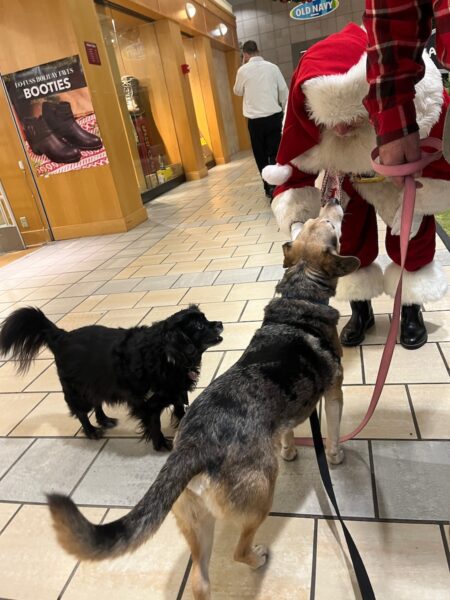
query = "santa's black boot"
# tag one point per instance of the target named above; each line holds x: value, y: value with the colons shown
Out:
x: 361, y: 320
x: 413, y: 333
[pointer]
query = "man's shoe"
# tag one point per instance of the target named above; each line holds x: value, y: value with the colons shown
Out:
x: 59, y: 117
x: 43, y: 141
x: 361, y: 320
x: 413, y: 333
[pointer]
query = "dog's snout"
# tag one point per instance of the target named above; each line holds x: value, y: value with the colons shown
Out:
x: 333, y: 201
x: 219, y: 325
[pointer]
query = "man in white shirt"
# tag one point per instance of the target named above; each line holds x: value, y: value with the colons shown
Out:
x: 265, y: 95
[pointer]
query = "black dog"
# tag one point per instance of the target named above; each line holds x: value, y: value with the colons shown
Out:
x: 148, y: 368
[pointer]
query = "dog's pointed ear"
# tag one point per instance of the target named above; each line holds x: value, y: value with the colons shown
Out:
x: 178, y: 347
x: 339, y: 266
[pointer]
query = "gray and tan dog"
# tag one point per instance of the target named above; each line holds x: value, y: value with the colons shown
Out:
x: 224, y: 462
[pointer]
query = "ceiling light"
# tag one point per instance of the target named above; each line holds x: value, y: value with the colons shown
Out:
x: 190, y: 10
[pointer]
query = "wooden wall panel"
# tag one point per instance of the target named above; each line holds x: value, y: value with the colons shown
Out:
x: 233, y: 63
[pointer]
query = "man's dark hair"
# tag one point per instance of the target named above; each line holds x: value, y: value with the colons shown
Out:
x: 250, y: 47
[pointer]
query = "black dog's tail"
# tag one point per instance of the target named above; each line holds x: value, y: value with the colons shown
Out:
x: 87, y: 541
x: 23, y: 334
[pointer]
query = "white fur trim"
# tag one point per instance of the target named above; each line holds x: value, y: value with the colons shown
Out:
x: 425, y: 285
x: 333, y: 99
x: 428, y: 100
x: 363, y: 284
x: 276, y: 174
x: 295, y: 204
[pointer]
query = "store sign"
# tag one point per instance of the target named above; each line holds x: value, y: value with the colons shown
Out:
x: 313, y: 9
x: 54, y: 113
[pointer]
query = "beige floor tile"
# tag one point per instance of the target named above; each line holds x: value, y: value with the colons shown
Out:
x: 207, y: 244
x: 50, y: 418
x: 14, y: 407
x: 75, y: 320
x: 6, y: 512
x: 351, y: 361
x: 148, y: 259
x: 432, y: 409
x: 288, y: 571
x: 48, y: 291
x: 154, y: 572
x: 254, y: 310
x: 127, y: 273
x: 209, y: 293
x: 445, y: 347
x: 237, y: 239
x: 424, y: 365
x: 127, y: 300
x: 33, y: 563
x: 237, y: 336
x: 255, y: 291
x: 218, y: 253
x: 156, y: 298
x: 210, y: 362
x: 47, y: 382
x: 197, y: 266
x: 404, y: 561
x: 249, y: 250
x: 88, y: 304
x: 153, y: 270
x: 438, y: 325
x: 230, y: 358
x: 11, y: 381
x: 123, y: 317
x: 16, y: 295
x: 158, y: 313
x: 222, y: 264
x: 264, y: 260
x: 227, y: 312
x: 392, y: 417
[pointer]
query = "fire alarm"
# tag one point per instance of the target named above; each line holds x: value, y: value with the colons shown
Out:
x: 185, y: 69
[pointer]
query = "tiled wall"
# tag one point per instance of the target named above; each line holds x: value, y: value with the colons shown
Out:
x: 269, y: 24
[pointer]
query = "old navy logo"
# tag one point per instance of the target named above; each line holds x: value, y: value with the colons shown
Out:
x: 312, y: 9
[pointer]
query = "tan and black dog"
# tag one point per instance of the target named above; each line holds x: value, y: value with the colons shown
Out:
x: 224, y: 462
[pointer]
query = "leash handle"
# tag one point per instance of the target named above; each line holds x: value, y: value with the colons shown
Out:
x: 409, y: 198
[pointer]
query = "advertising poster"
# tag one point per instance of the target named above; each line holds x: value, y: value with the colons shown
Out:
x: 54, y: 112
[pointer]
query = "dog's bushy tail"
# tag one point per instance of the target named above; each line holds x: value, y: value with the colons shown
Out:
x: 87, y: 541
x: 23, y: 334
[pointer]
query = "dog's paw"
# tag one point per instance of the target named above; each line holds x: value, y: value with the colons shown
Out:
x: 96, y: 433
x: 109, y: 422
x: 259, y: 556
x: 289, y: 453
x: 162, y: 443
x: 335, y: 458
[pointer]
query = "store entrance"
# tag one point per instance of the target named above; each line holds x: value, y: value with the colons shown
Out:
x: 10, y: 238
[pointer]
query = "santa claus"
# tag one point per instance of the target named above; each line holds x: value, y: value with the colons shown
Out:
x: 327, y: 131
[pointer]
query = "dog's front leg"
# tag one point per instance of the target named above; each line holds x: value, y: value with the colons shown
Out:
x: 333, y: 407
x: 288, y: 449
x: 152, y: 431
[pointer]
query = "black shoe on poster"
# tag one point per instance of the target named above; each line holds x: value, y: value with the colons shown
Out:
x: 59, y: 117
x: 43, y: 141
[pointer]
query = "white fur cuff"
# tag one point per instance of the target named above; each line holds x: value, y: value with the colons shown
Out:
x: 276, y: 174
x: 428, y: 284
x: 363, y: 284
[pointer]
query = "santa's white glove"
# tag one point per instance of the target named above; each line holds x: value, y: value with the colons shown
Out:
x: 296, y: 227
x: 397, y: 222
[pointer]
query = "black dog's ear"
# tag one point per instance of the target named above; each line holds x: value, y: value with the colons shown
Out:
x: 338, y: 266
x: 178, y: 348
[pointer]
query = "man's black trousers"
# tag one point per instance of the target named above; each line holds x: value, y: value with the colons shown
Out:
x: 265, y: 136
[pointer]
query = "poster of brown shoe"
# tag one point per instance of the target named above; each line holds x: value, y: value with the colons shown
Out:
x: 54, y: 113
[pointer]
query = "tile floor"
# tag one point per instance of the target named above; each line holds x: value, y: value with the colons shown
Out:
x: 215, y: 242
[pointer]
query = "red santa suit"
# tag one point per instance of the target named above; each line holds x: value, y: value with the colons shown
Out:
x: 327, y: 89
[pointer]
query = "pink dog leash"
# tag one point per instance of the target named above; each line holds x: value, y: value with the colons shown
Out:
x: 409, y: 197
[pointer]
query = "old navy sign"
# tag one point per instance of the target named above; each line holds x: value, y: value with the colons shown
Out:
x: 313, y: 9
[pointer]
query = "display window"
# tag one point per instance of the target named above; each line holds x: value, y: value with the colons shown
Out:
x: 135, y: 59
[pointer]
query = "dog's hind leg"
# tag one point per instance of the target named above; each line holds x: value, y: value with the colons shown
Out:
x: 197, y: 525
x: 333, y: 407
x: 91, y: 432
x: 103, y: 420
x: 288, y: 449
x: 246, y: 552
x: 81, y: 409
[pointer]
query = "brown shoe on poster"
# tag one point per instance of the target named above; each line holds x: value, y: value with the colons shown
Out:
x: 59, y: 117
x: 43, y: 141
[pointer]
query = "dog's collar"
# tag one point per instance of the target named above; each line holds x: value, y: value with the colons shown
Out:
x: 322, y: 302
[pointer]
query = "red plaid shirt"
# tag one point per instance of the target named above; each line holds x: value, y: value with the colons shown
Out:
x: 398, y: 31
